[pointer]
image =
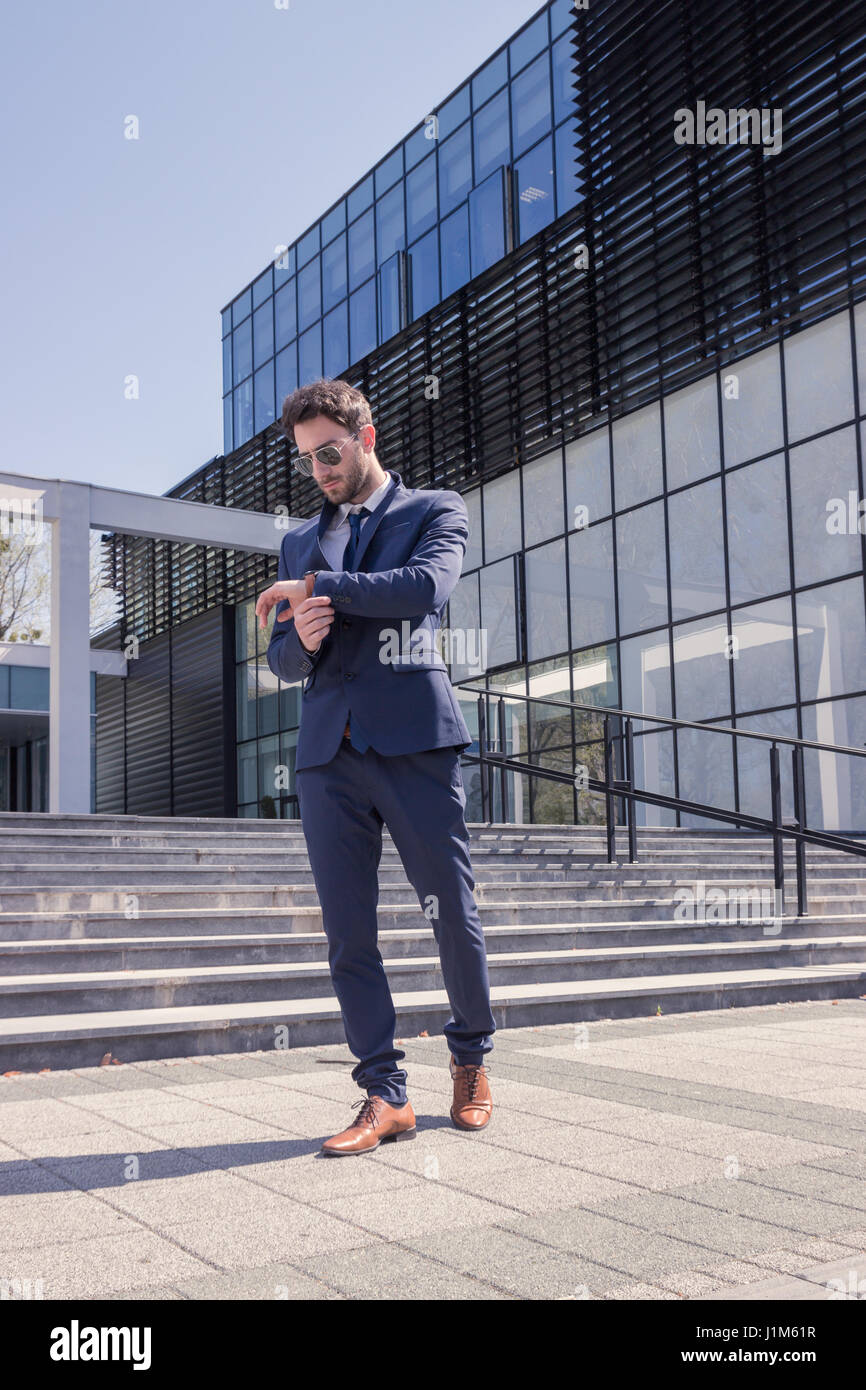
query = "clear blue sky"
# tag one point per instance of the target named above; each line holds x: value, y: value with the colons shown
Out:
x: 119, y: 254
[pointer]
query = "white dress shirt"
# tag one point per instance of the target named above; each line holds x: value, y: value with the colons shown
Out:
x: 336, y: 537
x: 334, y: 540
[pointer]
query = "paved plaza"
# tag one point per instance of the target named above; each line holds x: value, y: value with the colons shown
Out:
x: 699, y: 1156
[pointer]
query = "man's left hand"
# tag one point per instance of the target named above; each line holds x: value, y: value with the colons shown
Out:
x: 293, y: 589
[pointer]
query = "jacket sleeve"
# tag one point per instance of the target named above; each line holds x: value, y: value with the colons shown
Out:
x: 421, y: 586
x: 286, y: 656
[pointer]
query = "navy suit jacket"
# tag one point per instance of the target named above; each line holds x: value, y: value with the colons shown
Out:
x: 379, y: 660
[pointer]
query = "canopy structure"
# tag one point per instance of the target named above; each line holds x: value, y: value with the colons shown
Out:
x: 73, y: 509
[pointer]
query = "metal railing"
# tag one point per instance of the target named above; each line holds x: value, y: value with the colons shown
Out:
x: 620, y: 777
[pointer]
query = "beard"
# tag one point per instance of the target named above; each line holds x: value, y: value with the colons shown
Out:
x: 349, y: 482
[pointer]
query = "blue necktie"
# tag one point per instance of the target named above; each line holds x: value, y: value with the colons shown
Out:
x: 355, y: 520
x: 359, y: 742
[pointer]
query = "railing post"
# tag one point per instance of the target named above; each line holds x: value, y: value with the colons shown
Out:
x: 631, y: 804
x: 778, y: 843
x: 800, y: 817
x: 609, y: 806
x: 503, y: 750
x: 482, y: 754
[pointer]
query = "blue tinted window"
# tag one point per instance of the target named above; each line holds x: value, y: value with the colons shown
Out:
x: 29, y: 687
x: 421, y: 197
x: 561, y: 16
x: 227, y: 425
x: 454, y: 251
x: 285, y: 314
x: 308, y: 245
x: 492, y: 145
x: 417, y: 145
x: 533, y: 180
x: 310, y: 355
x: 453, y: 113
x: 362, y: 321
x: 362, y: 251
x: 241, y: 307
x: 529, y: 43
x: 389, y: 224
x: 490, y: 79
x: 487, y: 223
x: 334, y: 282
x: 243, y: 412
x: 226, y: 317
x: 389, y: 298
x: 263, y: 287
x: 424, y: 270
x: 287, y: 373
x: 227, y: 363
x: 389, y: 171
x: 455, y: 169
x: 333, y: 222
x: 284, y: 266
x: 564, y: 92
x: 360, y: 197
x: 309, y: 295
x: 530, y: 104
x: 243, y: 351
x: 263, y: 333
x: 568, y: 188
x: 264, y: 396
x: 336, y: 330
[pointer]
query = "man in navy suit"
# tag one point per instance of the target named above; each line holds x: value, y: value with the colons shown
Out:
x: 359, y: 596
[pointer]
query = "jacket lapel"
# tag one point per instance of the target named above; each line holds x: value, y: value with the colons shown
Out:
x: 328, y: 512
x: 369, y: 528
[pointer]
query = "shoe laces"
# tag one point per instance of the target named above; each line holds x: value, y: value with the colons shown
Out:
x: 366, y: 1114
x: 472, y: 1071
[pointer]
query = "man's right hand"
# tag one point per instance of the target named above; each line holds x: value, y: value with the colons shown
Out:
x: 313, y: 618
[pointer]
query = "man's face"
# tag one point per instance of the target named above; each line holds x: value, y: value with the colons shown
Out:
x: 343, y: 483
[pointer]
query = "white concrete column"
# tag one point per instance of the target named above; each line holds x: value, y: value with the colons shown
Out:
x: 69, y: 738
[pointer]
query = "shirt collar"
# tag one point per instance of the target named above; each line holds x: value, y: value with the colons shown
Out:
x: 370, y: 502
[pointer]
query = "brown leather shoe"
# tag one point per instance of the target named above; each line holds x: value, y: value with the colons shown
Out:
x: 377, y: 1123
x: 473, y: 1105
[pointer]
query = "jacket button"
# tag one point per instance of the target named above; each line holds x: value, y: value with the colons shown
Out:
x: 350, y: 675
x: 347, y: 622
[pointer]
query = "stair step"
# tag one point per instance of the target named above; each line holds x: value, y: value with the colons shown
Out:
x: 30, y: 956
x: 80, y: 1040
x: 189, y: 920
x: 43, y: 994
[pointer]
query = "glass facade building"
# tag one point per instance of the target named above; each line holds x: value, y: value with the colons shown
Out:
x: 490, y: 167
x: 651, y: 365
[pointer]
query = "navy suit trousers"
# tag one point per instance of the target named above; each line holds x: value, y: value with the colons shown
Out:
x: 421, y: 800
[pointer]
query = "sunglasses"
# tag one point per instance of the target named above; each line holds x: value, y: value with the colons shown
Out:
x: 329, y: 456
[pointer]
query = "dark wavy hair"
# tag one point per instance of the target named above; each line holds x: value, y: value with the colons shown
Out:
x: 336, y: 399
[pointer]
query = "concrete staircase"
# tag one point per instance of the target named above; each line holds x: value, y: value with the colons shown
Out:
x: 150, y: 937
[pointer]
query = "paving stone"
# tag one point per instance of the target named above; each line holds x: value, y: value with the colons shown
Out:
x: 81, y: 1217
x: 428, y: 1206
x: 275, y: 1282
x: 631, y: 1293
x: 301, y: 1230
x: 531, y: 1185
x: 91, y: 1269
x: 98, y: 1172
x: 397, y: 1274
x: 516, y: 1266
x: 109, y: 1139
